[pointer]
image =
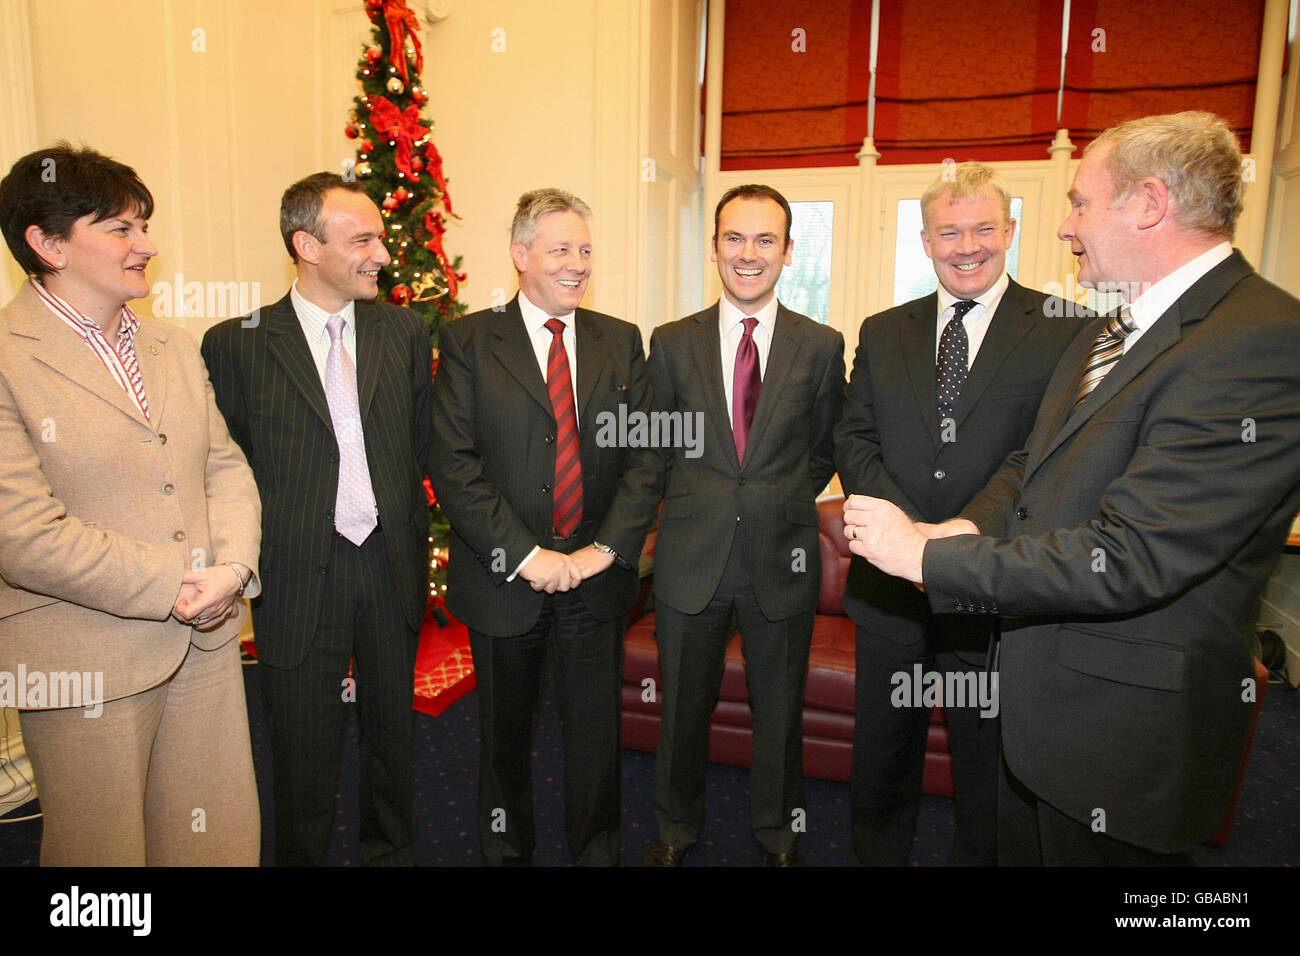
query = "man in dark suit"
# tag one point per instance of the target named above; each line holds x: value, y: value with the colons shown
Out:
x: 549, y: 508
x: 328, y: 395
x: 1134, y: 532
x: 738, y: 534
x: 943, y: 389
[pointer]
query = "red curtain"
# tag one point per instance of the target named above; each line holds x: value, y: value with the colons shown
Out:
x: 1161, y: 56
x: 972, y: 80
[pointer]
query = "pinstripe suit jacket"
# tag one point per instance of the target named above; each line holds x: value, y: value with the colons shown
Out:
x: 102, y: 511
x: 270, y: 392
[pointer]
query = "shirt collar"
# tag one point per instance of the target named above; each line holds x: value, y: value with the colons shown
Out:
x: 61, y: 306
x: 313, y: 318
x: 535, y: 318
x: 988, y: 298
x: 1155, y: 301
x: 729, y: 316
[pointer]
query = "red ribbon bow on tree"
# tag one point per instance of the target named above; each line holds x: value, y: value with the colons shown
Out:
x: 433, y: 222
x: 399, y: 125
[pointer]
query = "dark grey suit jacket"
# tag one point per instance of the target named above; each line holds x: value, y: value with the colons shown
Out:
x: 889, y: 443
x: 1134, y: 536
x: 770, y: 500
x: 493, y: 463
x: 271, y: 395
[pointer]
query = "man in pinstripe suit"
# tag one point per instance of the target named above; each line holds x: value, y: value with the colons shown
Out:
x: 328, y: 395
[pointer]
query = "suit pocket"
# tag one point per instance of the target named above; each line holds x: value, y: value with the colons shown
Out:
x: 801, y: 512
x: 1119, y: 412
x: 1125, y: 661
x: 1018, y: 390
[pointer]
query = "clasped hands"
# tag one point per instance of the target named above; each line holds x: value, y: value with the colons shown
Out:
x: 551, y: 571
x: 881, y: 532
x: 207, y: 596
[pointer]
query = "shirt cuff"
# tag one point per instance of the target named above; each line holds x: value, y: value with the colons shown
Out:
x: 514, y: 574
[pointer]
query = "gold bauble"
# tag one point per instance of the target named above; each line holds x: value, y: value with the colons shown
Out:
x: 395, y: 85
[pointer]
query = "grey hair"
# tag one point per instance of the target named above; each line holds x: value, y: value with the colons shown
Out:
x: 535, y: 204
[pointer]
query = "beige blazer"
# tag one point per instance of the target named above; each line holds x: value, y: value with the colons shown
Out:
x: 102, y: 511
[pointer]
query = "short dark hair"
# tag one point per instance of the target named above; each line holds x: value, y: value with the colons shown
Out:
x: 54, y: 187
x: 301, y: 202
x: 753, y: 191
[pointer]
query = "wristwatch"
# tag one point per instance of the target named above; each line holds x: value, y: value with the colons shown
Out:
x: 608, y: 550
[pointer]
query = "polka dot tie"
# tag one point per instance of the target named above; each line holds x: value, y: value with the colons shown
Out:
x: 953, y: 350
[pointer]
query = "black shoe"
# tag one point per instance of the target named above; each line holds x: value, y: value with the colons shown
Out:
x: 665, y: 854
x: 783, y: 859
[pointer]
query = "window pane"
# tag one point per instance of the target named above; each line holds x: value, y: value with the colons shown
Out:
x: 805, y: 284
x: 913, y: 271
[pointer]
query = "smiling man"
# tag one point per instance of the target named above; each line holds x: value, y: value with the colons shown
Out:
x: 738, y: 534
x: 943, y: 388
x: 547, y: 524
x: 1133, y: 534
x: 328, y: 394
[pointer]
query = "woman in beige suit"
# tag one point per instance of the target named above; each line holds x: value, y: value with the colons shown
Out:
x: 130, y: 526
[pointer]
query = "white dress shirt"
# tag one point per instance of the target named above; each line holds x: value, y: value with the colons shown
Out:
x: 976, y: 321
x: 313, y: 320
x: 1155, y: 301
x: 731, y: 329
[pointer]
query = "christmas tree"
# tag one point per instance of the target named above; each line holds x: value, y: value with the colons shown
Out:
x: 401, y: 170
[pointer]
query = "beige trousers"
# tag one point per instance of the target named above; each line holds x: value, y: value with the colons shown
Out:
x: 160, y: 778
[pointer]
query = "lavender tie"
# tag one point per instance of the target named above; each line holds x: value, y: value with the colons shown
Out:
x: 354, y: 506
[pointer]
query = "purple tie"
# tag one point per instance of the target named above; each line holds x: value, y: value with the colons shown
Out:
x: 354, y: 505
x: 745, y: 383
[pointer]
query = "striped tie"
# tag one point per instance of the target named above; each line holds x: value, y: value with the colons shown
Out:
x: 1106, y: 351
x: 567, y: 490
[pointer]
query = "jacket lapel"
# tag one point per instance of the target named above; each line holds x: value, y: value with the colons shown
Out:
x: 1011, y: 323
x: 289, y: 346
x: 787, y: 339
x: 515, y: 353
x: 918, y: 344
x: 591, y: 359
x: 708, y: 362
x: 151, y: 354
x: 62, y: 350
x: 1164, y: 334
x: 371, y: 336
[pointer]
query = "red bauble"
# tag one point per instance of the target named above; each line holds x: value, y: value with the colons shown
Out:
x: 417, y: 163
x: 373, y: 53
x: 367, y: 146
x: 400, y: 294
x: 389, y: 203
x: 419, y: 96
x: 400, y: 194
x: 350, y: 131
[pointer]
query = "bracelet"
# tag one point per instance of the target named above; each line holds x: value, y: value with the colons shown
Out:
x: 238, y: 577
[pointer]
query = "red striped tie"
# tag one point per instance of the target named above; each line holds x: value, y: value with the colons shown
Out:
x: 567, y: 490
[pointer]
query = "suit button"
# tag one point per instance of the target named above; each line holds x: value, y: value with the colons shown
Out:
x: 940, y: 474
x: 169, y: 489
x: 329, y: 515
x: 959, y: 607
x: 546, y: 489
x: 740, y: 481
x: 323, y: 568
x: 334, y: 457
x: 178, y: 536
x: 549, y: 439
x: 1022, y: 513
x: 162, y: 438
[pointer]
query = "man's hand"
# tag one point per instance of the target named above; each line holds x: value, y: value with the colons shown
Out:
x: 591, y: 562
x: 551, y: 571
x: 879, y: 531
x: 207, y: 596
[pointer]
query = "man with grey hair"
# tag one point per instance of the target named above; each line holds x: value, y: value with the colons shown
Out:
x: 547, y: 522
x: 1133, y: 534
x: 943, y: 388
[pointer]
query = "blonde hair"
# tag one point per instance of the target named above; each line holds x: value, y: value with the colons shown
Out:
x: 966, y: 181
x: 1195, y: 155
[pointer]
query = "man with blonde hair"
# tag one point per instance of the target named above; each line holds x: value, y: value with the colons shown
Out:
x: 1134, y: 533
x: 943, y: 389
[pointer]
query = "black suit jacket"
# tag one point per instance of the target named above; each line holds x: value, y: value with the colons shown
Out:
x: 1135, y: 535
x: 770, y: 500
x: 493, y: 463
x: 271, y: 395
x: 889, y: 443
